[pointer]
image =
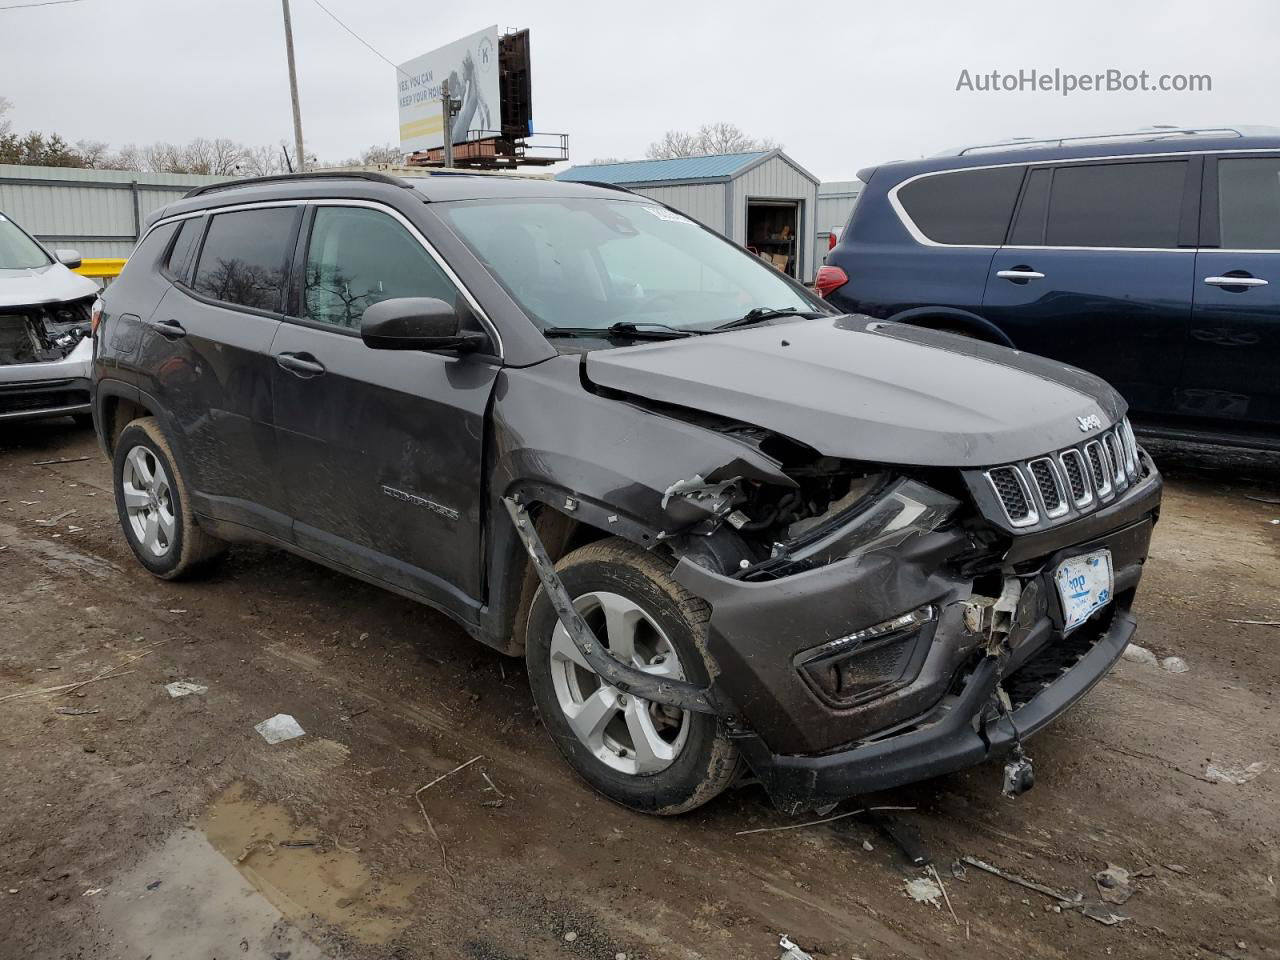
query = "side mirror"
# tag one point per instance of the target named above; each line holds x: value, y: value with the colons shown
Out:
x: 68, y: 258
x: 417, y: 323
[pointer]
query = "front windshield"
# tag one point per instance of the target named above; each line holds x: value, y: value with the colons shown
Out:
x: 17, y: 250
x: 593, y: 263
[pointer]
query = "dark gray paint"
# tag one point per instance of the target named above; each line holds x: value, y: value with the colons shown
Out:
x: 852, y: 387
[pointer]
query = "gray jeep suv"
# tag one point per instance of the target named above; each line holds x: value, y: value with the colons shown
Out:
x: 727, y: 527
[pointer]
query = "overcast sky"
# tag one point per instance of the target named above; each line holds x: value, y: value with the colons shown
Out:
x: 840, y: 84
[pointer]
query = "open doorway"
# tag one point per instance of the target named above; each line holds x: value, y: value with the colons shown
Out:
x: 773, y: 233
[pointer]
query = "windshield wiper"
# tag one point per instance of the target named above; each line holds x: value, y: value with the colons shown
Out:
x: 643, y: 330
x: 761, y: 314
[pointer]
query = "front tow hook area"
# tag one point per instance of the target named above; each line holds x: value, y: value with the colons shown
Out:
x: 1019, y: 773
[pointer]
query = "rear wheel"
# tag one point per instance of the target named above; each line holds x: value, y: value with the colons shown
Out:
x: 151, y: 500
x: 646, y: 756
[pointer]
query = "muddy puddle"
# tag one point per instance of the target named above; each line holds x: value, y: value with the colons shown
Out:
x: 303, y: 873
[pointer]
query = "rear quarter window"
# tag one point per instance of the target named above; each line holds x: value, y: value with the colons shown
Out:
x: 965, y: 207
x: 244, y: 260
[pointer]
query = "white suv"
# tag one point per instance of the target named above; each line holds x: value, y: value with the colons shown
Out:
x: 46, y: 351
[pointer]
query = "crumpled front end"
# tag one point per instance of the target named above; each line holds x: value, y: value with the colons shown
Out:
x: 871, y: 624
x: 46, y: 357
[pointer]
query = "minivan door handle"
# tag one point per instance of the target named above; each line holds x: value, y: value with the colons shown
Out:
x: 1241, y: 281
x: 169, y: 329
x: 1020, y: 273
x: 300, y: 364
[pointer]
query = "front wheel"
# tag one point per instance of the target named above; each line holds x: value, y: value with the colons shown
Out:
x: 646, y: 756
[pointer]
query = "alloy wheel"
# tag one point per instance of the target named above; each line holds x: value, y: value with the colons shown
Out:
x: 630, y: 735
x: 148, y: 501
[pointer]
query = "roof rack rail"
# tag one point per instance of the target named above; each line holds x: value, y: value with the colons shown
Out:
x: 1154, y: 133
x: 288, y: 177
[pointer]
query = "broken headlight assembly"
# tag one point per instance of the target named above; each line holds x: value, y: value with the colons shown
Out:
x: 885, y: 517
x: 867, y: 662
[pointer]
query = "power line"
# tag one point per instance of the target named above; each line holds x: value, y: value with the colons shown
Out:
x: 41, y: 3
x: 335, y: 19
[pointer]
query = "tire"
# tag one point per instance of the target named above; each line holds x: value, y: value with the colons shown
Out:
x: 173, y: 545
x: 698, y: 761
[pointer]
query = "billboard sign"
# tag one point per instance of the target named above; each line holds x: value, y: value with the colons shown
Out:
x: 471, y: 67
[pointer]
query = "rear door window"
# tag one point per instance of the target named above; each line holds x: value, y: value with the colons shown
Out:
x: 1249, y: 203
x: 244, y: 260
x: 358, y: 257
x: 1116, y: 205
x: 969, y: 207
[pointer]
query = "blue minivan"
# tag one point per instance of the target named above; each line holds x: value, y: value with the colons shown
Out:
x: 1151, y: 259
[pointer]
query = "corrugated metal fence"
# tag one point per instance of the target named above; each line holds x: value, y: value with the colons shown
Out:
x: 98, y: 212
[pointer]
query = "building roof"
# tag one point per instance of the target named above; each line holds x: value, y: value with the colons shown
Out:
x: 720, y: 166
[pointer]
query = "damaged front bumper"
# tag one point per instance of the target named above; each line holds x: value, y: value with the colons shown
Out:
x: 927, y: 703
x: 52, y: 388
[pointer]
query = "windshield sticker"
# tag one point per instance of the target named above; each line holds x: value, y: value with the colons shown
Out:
x: 662, y: 213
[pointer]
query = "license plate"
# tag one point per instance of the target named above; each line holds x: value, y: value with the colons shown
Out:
x: 1085, y: 584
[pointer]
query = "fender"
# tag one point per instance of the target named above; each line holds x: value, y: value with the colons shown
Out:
x: 951, y: 317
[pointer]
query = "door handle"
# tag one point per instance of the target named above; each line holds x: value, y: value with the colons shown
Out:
x: 1019, y: 273
x: 1235, y: 281
x: 169, y: 329
x: 300, y: 364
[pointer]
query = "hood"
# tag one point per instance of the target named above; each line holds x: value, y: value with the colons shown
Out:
x: 863, y: 389
x: 52, y: 283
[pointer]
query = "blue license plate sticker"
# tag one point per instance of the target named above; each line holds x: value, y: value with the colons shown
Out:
x: 1085, y: 584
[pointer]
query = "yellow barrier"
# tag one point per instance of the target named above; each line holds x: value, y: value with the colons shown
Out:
x: 101, y: 268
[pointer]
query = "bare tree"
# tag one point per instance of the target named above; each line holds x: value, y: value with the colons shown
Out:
x: 95, y: 154
x: 261, y: 161
x: 710, y: 138
x: 674, y: 143
x: 129, y: 158
x: 225, y: 156
x: 5, y: 106
x: 386, y: 153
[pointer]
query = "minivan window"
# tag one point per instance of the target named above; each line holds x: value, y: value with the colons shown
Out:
x: 595, y: 262
x: 17, y: 250
x: 1249, y: 203
x: 180, y: 253
x: 244, y: 257
x: 972, y: 206
x: 1116, y: 205
x: 358, y: 257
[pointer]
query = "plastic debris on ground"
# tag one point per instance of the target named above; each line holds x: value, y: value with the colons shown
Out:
x: 1135, y: 653
x: 1175, y: 664
x: 182, y: 688
x: 924, y: 890
x: 790, y: 950
x: 1234, y: 773
x: 279, y: 728
x: 1114, y: 884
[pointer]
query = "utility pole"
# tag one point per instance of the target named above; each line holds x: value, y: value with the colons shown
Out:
x: 446, y: 104
x: 301, y: 161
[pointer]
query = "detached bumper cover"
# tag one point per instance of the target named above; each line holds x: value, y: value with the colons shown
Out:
x: 956, y: 736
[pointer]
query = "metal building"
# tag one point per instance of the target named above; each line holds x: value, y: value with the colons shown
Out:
x: 763, y: 200
x: 835, y: 204
x: 100, y: 213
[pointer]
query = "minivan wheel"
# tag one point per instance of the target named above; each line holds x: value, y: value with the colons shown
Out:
x: 649, y: 757
x: 151, y: 499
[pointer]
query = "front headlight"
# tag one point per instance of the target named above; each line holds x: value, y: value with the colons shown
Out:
x: 903, y: 509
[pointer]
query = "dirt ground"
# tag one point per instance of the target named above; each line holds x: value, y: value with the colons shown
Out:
x: 134, y: 824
